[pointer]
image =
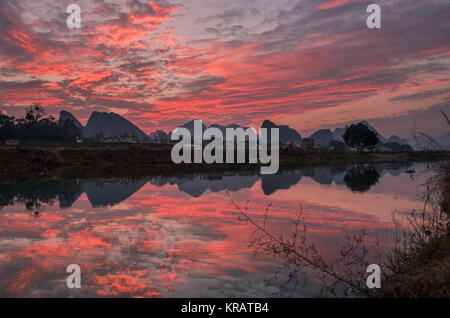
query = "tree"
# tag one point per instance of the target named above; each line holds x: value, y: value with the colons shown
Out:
x: 6, y: 126
x: 34, y: 113
x: 361, y: 137
x: 36, y: 126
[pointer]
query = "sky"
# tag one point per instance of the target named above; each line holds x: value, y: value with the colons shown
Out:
x: 309, y: 64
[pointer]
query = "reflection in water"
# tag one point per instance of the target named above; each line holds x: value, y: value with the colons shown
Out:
x: 99, y: 193
x: 300, y: 258
x: 180, y: 236
x: 32, y: 195
x: 282, y: 180
x: 196, y: 186
x: 110, y: 193
x: 361, y: 178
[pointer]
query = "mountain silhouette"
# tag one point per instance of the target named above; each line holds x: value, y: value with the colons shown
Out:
x: 159, y: 136
x: 106, y: 124
x: 64, y: 116
x: 322, y: 137
x: 444, y: 140
x: 395, y: 138
x: 223, y: 129
x: 111, y: 124
x: 338, y: 133
x: 114, y: 125
x: 288, y: 136
x: 190, y: 126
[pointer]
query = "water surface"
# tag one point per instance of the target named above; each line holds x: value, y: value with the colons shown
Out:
x: 181, y: 237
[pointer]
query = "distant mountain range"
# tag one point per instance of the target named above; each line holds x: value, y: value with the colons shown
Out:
x: 105, y: 124
x: 64, y: 116
x: 324, y: 136
x: 444, y: 140
x: 114, y: 125
x: 288, y: 136
x: 159, y: 136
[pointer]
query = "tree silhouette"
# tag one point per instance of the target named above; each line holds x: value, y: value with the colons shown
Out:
x: 6, y: 126
x: 36, y: 126
x: 34, y: 113
x: 361, y: 137
x: 361, y: 178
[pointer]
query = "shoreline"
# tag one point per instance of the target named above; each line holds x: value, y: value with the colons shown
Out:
x: 422, y: 270
x: 38, y: 163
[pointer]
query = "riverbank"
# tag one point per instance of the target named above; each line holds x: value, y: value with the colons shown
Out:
x: 426, y: 276
x: 420, y: 267
x: 37, y: 163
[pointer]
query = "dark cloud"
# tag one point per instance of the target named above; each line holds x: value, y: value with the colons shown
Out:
x: 422, y: 95
x: 240, y: 60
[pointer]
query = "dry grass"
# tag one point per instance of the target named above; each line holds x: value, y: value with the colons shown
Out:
x: 425, y: 278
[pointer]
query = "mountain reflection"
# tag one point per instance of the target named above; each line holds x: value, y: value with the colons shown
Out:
x: 110, y: 193
x: 180, y: 236
x: 358, y: 178
x: 196, y: 186
x: 33, y: 194
x: 283, y: 180
x: 99, y: 193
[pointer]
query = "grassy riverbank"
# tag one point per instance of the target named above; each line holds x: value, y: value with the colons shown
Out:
x: 26, y: 163
x: 420, y: 267
x: 425, y: 274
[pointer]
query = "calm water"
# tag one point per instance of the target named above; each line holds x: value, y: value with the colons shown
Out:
x: 181, y: 237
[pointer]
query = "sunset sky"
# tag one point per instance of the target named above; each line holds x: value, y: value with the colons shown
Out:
x: 306, y: 63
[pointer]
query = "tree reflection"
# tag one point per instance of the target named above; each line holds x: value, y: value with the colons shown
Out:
x: 361, y: 178
x: 33, y: 195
